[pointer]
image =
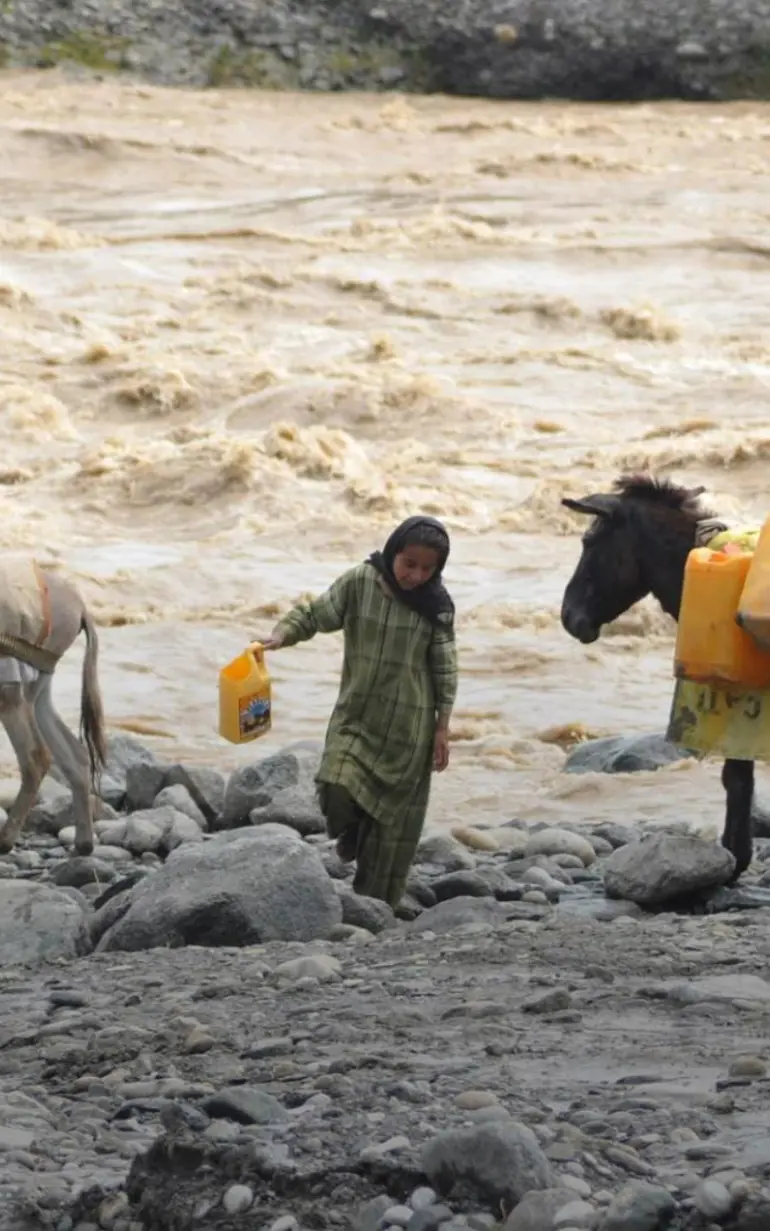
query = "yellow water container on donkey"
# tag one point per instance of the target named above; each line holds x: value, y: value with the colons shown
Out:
x: 711, y: 647
x: 245, y: 697
x: 754, y: 606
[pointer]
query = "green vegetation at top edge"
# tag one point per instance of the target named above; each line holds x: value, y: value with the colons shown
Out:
x: 263, y: 70
x: 752, y: 79
x: 100, y: 52
x: 365, y: 66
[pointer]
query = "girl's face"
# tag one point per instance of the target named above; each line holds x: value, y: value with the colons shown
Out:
x: 413, y: 566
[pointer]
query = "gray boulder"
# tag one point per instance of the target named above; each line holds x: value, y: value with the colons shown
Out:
x: 256, y: 786
x: 639, y: 1207
x: 179, y: 798
x: 623, y: 754
x: 123, y: 751
x: 753, y: 1214
x: 57, y: 812
x: 178, y: 829
x: 363, y: 912
x: 80, y: 870
x: 459, y: 912
x: 114, y: 902
x: 760, y: 819
x: 616, y: 835
x: 537, y: 1210
x: 445, y: 852
x: 39, y: 924
x: 495, y: 1162
x: 461, y: 885
x: 112, y: 792
x: 239, y: 888
x: 295, y: 806
x: 205, y: 786
x: 145, y: 777
x: 144, y: 782
x: 245, y: 1105
x: 150, y: 831
x: 663, y: 866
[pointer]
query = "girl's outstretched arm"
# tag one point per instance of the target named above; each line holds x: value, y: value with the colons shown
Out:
x: 325, y: 614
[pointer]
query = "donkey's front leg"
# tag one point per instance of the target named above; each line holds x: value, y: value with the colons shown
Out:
x: 18, y: 718
x: 738, y: 781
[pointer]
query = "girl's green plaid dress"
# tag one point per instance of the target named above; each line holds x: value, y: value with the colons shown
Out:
x: 399, y: 677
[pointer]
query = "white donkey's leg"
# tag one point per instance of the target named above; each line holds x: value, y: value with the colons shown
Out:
x: 17, y: 715
x: 72, y: 759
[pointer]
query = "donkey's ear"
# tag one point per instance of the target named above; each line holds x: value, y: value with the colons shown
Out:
x: 594, y: 506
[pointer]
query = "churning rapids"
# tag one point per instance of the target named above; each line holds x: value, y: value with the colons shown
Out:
x: 243, y: 334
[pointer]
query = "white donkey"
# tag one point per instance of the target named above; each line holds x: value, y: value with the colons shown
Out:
x: 41, y: 615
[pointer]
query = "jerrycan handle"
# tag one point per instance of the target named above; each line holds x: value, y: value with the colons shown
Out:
x: 255, y: 650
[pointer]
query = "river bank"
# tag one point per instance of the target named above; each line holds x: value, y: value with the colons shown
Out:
x: 502, y: 49
x: 562, y: 1030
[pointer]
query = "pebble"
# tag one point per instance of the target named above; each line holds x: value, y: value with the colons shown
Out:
x: 319, y: 967
x: 111, y: 1209
x: 474, y: 1100
x: 481, y: 1222
x: 238, y: 1198
x: 638, y: 1207
x: 398, y: 1216
x: 713, y: 1200
x: 198, y: 1041
x: 15, y: 1138
x: 561, y: 842
x: 430, y: 1217
x: 691, y: 49
x: 574, y: 1214
x: 747, y: 1066
x: 554, y: 1001
x: 245, y: 1105
x: 421, y: 1198
x: 270, y: 1047
x: 576, y: 1183
x: 287, y: 1222
x: 475, y: 839
x: 67, y: 998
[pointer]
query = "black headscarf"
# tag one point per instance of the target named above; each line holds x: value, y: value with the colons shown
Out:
x: 430, y: 600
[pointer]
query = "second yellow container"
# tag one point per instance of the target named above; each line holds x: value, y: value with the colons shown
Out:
x: 754, y: 605
x: 711, y: 647
x: 245, y: 697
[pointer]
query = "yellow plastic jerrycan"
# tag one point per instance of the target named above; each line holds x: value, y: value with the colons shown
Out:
x: 245, y: 697
x: 711, y: 648
x: 754, y: 605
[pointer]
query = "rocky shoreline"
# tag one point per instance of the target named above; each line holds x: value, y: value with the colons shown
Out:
x: 201, y: 1024
x: 524, y: 49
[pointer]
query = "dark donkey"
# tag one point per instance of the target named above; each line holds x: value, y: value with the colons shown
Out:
x: 638, y: 544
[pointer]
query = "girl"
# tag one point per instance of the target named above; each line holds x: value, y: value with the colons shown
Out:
x: 390, y: 726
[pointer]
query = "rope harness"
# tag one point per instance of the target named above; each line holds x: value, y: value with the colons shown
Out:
x: 708, y: 529
x: 33, y: 655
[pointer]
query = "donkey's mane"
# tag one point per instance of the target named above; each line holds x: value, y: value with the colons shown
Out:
x: 661, y: 492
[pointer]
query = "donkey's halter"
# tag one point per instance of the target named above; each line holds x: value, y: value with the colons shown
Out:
x: 708, y: 529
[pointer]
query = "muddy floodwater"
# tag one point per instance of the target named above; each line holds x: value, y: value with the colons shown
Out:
x: 243, y: 334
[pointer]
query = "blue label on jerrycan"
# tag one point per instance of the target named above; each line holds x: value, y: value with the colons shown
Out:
x: 253, y: 716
